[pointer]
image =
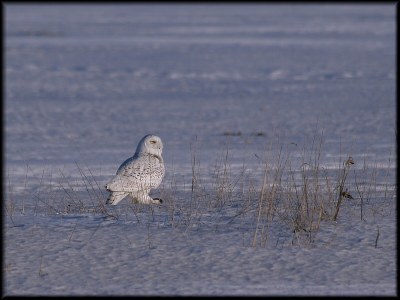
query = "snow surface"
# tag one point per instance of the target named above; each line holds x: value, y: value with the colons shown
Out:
x: 83, y: 84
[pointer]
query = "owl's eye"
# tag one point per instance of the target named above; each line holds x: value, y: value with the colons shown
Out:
x: 153, y: 142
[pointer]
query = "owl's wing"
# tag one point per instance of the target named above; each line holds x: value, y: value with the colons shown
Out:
x: 121, y: 184
x: 137, y: 173
x: 129, y: 163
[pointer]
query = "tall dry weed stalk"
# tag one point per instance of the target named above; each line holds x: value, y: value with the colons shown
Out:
x: 292, y: 188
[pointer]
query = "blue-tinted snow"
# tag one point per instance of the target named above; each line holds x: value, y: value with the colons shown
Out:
x: 83, y: 84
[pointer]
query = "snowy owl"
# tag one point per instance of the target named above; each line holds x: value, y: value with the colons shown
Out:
x: 139, y: 173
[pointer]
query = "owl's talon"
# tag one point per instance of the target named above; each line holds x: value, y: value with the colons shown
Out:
x: 159, y: 200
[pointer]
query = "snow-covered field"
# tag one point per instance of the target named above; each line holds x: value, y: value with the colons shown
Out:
x: 225, y: 87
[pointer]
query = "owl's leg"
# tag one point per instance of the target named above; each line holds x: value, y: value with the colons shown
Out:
x: 144, y: 198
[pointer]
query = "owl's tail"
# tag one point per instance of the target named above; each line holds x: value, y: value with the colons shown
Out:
x: 115, y: 197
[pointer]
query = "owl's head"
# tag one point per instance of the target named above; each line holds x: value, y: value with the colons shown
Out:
x: 151, y: 144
